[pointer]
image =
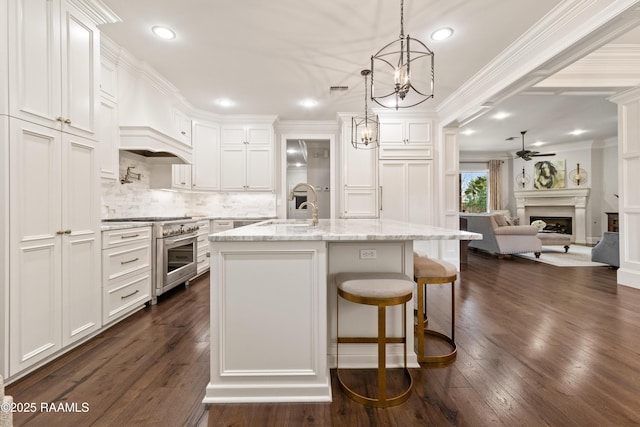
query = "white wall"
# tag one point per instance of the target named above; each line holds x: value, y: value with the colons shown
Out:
x: 600, y: 160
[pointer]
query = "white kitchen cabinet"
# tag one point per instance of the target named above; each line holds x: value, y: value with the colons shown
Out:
x: 182, y: 123
x: 126, y: 271
x: 360, y: 177
x: 246, y: 158
x: 406, y: 190
x: 181, y: 176
x: 54, y: 284
x: 4, y: 56
x: 108, y: 138
x: 405, y: 138
x: 206, y: 158
x: 203, y: 246
x: 107, y: 133
x: 53, y: 66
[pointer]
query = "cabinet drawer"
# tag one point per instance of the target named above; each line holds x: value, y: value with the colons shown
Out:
x: 120, y: 261
x: 125, y: 296
x: 203, y: 263
x: 114, y: 238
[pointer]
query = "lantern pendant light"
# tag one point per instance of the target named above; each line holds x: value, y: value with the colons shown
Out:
x: 403, y: 70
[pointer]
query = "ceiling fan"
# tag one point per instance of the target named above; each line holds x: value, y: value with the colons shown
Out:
x: 527, y: 154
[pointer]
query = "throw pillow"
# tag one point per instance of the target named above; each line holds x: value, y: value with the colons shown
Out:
x: 500, y: 220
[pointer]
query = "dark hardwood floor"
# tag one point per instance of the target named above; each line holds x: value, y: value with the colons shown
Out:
x: 538, y: 345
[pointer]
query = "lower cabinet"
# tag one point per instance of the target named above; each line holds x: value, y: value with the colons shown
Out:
x: 126, y: 271
x: 203, y: 246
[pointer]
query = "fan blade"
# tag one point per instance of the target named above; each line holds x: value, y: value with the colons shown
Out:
x: 543, y: 155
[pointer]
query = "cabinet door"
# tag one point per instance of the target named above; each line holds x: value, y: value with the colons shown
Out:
x: 35, y: 208
x: 34, y: 60
x: 81, y: 276
x: 108, y: 141
x: 80, y: 41
x: 233, y: 135
x: 181, y: 175
x: 393, y: 190
x: 233, y: 173
x: 182, y: 123
x: 360, y: 193
x: 419, y: 188
x: 259, y: 168
x: 259, y: 135
x: 206, y: 156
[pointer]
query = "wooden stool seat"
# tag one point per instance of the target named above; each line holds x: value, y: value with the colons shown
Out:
x: 429, y: 271
x: 381, y: 290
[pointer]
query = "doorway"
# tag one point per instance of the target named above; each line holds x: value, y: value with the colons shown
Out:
x: 308, y: 160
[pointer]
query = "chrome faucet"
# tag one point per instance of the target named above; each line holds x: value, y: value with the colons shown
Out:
x: 313, y: 204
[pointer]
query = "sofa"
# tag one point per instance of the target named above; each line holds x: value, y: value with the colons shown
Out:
x: 500, y: 237
x: 607, y: 251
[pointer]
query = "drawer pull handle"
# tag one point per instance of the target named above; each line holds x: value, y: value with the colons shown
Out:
x: 129, y: 236
x: 130, y: 295
x: 129, y: 262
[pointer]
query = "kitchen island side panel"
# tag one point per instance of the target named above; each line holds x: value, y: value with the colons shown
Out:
x: 268, y: 322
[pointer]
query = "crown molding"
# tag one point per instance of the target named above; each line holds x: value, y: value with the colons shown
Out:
x: 567, y: 33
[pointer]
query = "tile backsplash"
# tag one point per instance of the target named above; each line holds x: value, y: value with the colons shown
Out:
x: 136, y: 199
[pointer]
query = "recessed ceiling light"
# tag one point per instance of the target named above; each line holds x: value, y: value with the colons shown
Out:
x: 501, y: 115
x: 309, y: 103
x: 163, y: 32
x: 298, y: 164
x: 577, y: 132
x: 468, y: 132
x: 442, y: 33
x: 225, y: 102
x: 538, y: 143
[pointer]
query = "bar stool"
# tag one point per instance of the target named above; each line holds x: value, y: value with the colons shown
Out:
x: 428, y: 271
x: 381, y: 290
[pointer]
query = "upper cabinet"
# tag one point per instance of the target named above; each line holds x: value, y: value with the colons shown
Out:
x: 182, y: 122
x: 206, y: 156
x: 246, y: 157
x: 403, y: 137
x: 53, y: 66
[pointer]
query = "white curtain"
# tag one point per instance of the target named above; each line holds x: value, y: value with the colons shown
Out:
x: 495, y: 185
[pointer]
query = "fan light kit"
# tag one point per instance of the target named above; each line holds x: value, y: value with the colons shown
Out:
x: 527, y: 154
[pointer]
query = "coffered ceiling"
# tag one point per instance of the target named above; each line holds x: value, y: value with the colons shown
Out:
x: 268, y: 56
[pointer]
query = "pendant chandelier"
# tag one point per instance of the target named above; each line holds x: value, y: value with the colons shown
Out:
x: 365, y: 129
x: 403, y: 71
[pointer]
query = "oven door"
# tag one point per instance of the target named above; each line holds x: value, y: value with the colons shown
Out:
x: 179, y: 261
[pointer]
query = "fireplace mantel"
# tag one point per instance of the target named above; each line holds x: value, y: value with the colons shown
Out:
x: 575, y: 198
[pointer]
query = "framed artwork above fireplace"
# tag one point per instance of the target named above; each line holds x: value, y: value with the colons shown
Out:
x: 548, y: 174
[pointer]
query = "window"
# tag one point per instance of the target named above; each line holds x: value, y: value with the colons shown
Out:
x: 474, y: 191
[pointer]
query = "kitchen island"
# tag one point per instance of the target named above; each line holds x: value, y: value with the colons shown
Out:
x: 273, y: 304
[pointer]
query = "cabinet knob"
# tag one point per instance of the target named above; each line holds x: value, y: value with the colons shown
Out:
x: 67, y: 121
x: 183, y: 132
x: 60, y: 119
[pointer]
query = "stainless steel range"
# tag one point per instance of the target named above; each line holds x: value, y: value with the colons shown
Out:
x: 173, y: 251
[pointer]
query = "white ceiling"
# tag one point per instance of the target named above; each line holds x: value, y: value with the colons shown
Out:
x: 267, y: 56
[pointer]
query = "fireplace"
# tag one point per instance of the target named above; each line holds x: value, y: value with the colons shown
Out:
x: 555, y: 224
x: 566, y: 202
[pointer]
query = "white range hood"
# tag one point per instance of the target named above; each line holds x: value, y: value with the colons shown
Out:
x: 156, y: 146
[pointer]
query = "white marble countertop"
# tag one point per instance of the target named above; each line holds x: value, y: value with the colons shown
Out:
x: 340, y: 230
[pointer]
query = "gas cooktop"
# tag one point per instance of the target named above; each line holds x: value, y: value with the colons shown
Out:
x: 148, y: 219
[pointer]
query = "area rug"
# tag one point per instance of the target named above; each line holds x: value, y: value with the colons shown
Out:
x: 578, y: 256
